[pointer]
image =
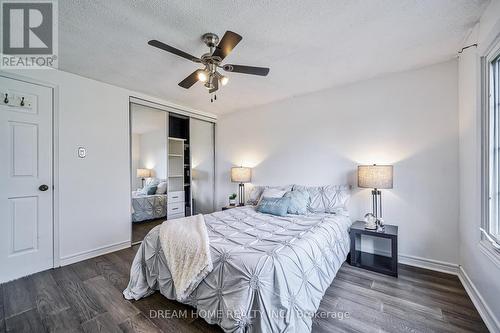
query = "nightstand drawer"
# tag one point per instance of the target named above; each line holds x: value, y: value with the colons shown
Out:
x: 177, y: 196
x: 175, y: 208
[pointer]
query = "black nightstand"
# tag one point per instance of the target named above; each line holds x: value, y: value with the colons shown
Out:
x: 374, y: 262
x: 229, y: 207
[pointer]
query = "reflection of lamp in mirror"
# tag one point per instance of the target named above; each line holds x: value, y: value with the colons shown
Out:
x: 143, y: 174
x: 241, y: 175
x: 376, y: 177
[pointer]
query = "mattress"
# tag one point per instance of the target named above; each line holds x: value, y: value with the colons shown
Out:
x: 270, y: 273
x: 148, y: 207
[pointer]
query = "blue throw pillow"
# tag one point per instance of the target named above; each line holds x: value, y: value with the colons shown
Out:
x: 274, y: 206
x: 152, y: 190
x: 298, y: 202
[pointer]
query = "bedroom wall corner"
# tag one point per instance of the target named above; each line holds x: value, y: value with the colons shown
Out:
x: 408, y: 119
x: 478, y: 272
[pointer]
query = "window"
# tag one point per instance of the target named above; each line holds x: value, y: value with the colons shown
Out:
x: 491, y: 218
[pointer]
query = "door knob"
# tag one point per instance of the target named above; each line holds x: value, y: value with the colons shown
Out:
x: 43, y: 188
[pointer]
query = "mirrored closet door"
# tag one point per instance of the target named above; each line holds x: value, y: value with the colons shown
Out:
x: 203, y: 166
x: 172, y: 166
x: 149, y: 168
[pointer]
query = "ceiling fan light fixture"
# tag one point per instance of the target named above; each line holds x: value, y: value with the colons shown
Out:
x: 202, y: 76
x: 224, y: 80
x: 211, y: 61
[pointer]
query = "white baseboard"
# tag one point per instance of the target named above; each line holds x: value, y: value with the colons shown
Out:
x: 434, y: 265
x: 485, y: 312
x: 71, y: 259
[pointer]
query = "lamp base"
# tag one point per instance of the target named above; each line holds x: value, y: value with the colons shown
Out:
x: 377, y: 203
x: 241, y: 194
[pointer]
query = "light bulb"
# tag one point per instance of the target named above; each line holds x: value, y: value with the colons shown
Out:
x: 224, y: 80
x: 202, y: 76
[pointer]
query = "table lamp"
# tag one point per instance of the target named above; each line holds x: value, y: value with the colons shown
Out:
x: 241, y: 175
x: 376, y: 177
x: 143, y: 174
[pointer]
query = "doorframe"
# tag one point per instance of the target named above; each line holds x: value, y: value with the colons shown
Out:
x: 56, y: 255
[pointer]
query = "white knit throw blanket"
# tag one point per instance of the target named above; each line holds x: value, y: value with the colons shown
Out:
x: 186, y: 247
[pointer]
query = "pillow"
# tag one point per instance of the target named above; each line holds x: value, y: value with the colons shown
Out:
x: 272, y: 193
x: 151, y: 190
x: 256, y: 192
x: 151, y: 182
x: 326, y: 199
x: 273, y: 206
x: 162, y: 188
x: 298, y: 202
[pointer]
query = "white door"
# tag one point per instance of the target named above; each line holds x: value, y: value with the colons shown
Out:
x: 26, y: 244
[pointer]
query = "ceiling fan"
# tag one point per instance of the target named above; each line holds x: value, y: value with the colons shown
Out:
x: 212, y: 60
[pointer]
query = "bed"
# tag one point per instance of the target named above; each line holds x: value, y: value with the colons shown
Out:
x: 269, y: 272
x: 148, y: 207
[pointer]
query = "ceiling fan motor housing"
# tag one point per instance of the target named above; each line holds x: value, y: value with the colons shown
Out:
x: 210, y: 39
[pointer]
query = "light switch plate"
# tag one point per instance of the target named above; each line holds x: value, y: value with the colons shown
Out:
x: 82, y: 152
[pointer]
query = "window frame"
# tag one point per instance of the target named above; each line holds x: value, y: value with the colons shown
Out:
x: 490, y: 143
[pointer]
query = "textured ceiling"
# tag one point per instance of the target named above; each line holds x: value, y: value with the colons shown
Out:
x: 309, y: 45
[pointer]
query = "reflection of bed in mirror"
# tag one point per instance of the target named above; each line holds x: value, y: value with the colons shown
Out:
x: 148, y: 207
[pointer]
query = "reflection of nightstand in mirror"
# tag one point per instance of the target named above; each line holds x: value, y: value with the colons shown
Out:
x: 370, y: 261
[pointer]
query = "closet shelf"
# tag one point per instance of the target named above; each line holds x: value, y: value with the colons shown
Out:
x: 175, y: 155
x: 175, y: 176
x: 176, y: 139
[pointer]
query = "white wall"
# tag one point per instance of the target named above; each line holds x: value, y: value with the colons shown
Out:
x: 93, y: 193
x: 407, y: 119
x: 482, y: 271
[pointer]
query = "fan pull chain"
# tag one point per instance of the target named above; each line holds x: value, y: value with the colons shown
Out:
x: 213, y: 98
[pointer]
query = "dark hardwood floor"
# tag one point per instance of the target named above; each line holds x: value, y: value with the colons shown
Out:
x: 141, y: 229
x: 86, y: 297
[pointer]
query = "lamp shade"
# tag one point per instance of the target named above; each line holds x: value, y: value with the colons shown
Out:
x: 143, y: 173
x: 375, y: 176
x: 241, y: 175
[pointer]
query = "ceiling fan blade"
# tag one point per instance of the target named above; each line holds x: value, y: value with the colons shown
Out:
x: 173, y: 50
x: 226, y: 44
x: 215, y: 82
x: 262, y: 71
x: 190, y: 80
